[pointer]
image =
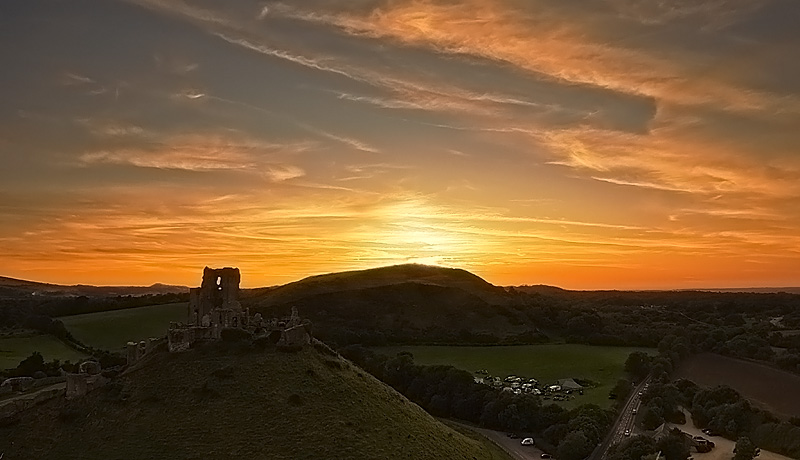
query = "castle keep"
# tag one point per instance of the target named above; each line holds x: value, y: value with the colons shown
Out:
x: 216, y: 300
x: 214, y: 307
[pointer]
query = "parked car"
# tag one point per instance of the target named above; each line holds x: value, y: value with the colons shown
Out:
x: 546, y: 456
x: 627, y: 432
x: 527, y: 442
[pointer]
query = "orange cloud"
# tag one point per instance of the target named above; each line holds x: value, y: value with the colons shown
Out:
x: 539, y: 40
x: 202, y: 153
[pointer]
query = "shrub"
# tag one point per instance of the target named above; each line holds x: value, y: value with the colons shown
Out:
x: 295, y: 399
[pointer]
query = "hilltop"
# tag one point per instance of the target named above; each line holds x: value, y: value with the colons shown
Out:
x: 225, y: 402
x: 17, y: 287
x: 429, y: 275
x: 399, y: 304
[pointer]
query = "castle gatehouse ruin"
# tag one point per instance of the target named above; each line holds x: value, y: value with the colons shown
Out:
x: 214, y: 307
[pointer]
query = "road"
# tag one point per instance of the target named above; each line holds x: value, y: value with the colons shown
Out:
x: 625, y: 422
x: 511, y: 446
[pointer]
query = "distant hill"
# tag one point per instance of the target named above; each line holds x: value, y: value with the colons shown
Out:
x: 218, y: 403
x: 761, y: 290
x: 11, y: 286
x: 399, y: 304
x: 540, y: 289
x: 386, y: 276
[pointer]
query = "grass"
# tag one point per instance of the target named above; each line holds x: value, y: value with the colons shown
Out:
x: 547, y: 363
x: 227, y: 403
x: 16, y: 348
x: 494, y: 451
x: 111, y: 330
x: 769, y: 388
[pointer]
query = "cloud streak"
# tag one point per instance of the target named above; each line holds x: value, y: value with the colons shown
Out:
x: 621, y: 143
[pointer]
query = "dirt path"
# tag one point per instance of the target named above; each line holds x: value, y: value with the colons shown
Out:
x: 55, y: 386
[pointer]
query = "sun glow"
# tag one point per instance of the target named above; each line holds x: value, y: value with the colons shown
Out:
x: 534, y: 144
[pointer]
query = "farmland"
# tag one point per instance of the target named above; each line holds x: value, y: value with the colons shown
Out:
x: 546, y: 363
x: 110, y: 330
x: 14, y: 349
x: 771, y: 388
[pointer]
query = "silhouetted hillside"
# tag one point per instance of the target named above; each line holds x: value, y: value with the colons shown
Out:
x: 231, y: 401
x: 403, y: 304
x: 17, y: 287
x: 386, y: 276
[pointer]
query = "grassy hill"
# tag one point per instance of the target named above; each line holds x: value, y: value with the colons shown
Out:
x: 227, y: 402
x: 13, y: 286
x: 16, y: 347
x: 111, y: 330
x: 399, y: 304
x: 386, y: 276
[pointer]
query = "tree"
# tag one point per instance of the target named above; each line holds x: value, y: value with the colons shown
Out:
x: 30, y: 365
x: 510, y: 418
x: 574, y: 446
x: 621, y: 390
x: 638, y: 364
x: 745, y: 449
x: 634, y: 448
x: 652, y: 417
x: 673, y: 447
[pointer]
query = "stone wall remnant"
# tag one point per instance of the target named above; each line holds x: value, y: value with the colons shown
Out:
x: 88, y: 378
x: 215, y: 306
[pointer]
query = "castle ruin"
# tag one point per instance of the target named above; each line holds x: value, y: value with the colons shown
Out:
x: 214, y: 307
x: 216, y: 300
x: 87, y: 379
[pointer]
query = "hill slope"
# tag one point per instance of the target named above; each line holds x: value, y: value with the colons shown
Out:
x: 386, y: 276
x: 400, y: 304
x: 13, y: 286
x: 223, y: 403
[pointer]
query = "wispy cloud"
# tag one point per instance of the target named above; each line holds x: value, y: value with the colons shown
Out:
x: 201, y: 153
x: 281, y: 173
x: 70, y: 78
x: 619, y: 143
x: 539, y: 40
x: 108, y: 128
x: 348, y: 141
x: 713, y: 13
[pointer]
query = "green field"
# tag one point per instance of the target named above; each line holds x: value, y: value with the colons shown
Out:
x: 111, y: 330
x: 16, y: 348
x: 546, y: 363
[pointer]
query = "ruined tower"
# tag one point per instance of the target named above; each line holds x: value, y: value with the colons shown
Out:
x: 216, y: 300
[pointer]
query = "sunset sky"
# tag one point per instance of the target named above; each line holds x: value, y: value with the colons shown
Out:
x: 623, y: 144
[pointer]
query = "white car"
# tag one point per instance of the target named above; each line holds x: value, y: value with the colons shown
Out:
x: 527, y: 442
x: 627, y: 432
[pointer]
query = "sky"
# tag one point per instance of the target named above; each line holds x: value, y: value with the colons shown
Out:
x: 604, y: 144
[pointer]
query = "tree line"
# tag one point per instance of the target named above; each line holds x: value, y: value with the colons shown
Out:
x: 449, y: 392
